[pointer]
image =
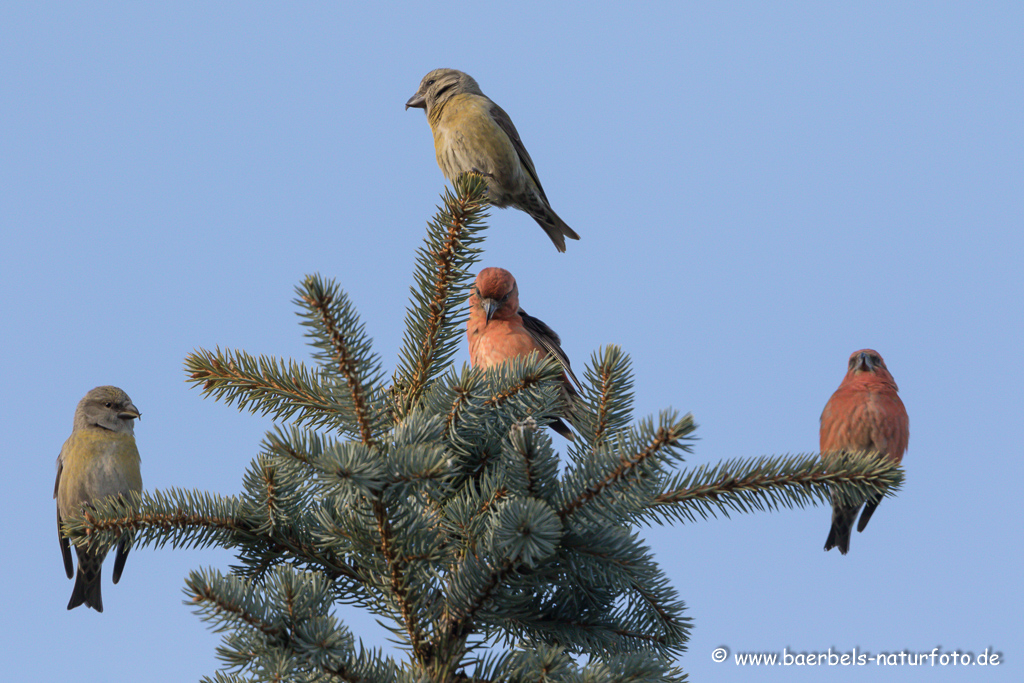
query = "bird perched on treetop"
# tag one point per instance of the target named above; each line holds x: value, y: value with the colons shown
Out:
x: 99, y: 459
x: 474, y: 135
x: 864, y: 414
x: 499, y: 330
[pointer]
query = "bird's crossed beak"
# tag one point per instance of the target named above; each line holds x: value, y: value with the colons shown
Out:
x: 490, y: 306
x: 130, y: 412
x: 418, y: 101
x: 864, y: 363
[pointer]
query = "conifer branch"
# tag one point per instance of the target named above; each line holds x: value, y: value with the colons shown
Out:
x: 665, y: 439
x: 441, y: 276
x: 471, y: 509
x: 283, y: 629
x: 482, y: 579
x: 344, y: 348
x: 529, y: 461
x: 513, y: 378
x: 304, y: 447
x: 515, y: 390
x: 777, y: 482
x: 463, y: 389
x: 397, y: 583
x: 189, y: 519
x: 206, y: 596
x: 609, y: 385
x: 521, y: 447
x: 273, y: 387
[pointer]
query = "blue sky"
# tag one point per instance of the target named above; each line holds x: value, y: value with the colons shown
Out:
x: 761, y: 188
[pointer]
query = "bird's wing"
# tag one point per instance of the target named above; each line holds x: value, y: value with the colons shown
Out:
x: 65, y: 547
x: 506, y: 125
x: 548, y: 339
x: 123, y: 547
x: 891, y: 430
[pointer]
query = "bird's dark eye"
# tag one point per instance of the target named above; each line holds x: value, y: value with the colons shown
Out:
x: 430, y: 82
x: 108, y: 404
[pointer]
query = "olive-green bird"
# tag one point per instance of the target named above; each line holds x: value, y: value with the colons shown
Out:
x: 99, y: 459
x: 474, y: 135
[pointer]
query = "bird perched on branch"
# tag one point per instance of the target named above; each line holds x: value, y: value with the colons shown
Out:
x: 99, y: 459
x: 499, y: 330
x: 864, y: 414
x: 474, y: 135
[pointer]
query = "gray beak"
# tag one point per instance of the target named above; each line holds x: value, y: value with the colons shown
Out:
x: 130, y: 412
x: 490, y: 306
x: 417, y: 101
x: 864, y: 363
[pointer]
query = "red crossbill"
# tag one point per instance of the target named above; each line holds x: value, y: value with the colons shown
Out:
x: 99, y: 459
x: 864, y: 414
x: 474, y: 135
x: 499, y: 330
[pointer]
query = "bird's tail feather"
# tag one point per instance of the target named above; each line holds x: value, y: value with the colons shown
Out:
x: 869, y: 509
x: 124, y: 546
x: 87, y: 582
x: 559, y: 426
x: 554, y: 226
x: 842, y: 525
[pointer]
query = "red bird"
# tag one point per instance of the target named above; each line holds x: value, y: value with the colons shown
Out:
x: 499, y: 330
x: 864, y: 414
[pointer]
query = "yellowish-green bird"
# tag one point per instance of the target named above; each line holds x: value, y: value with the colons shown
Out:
x: 474, y: 135
x: 99, y: 459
